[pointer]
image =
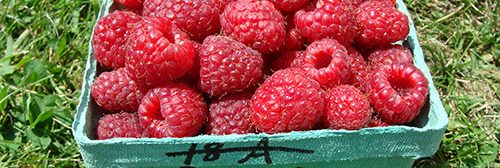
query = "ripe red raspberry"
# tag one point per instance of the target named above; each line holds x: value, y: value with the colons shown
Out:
x: 198, y: 18
x: 222, y: 3
x: 286, y: 59
x: 120, y: 125
x: 193, y: 75
x: 228, y: 66
x: 347, y: 108
x: 379, y: 24
x: 110, y: 38
x: 116, y: 92
x: 375, y: 122
x: 287, y: 101
x: 394, y: 54
x: 392, y: 1
x: 289, y: 5
x: 137, y: 11
x: 175, y: 110
x: 359, y: 69
x: 326, y: 62
x: 397, y: 92
x: 310, y: 6
x: 358, y: 2
x: 230, y: 115
x: 293, y: 39
x: 130, y: 3
x: 158, y: 52
x: 330, y: 19
x: 256, y: 24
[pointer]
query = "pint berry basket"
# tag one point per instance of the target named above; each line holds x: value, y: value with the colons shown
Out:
x: 393, y: 146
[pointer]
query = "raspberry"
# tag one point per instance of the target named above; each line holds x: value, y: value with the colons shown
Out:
x: 287, y: 101
x: 394, y: 54
x: 347, y: 108
x: 228, y: 66
x: 310, y: 6
x: 299, y: 60
x: 330, y: 19
x: 158, y: 52
x: 289, y: 5
x: 286, y: 59
x: 268, y: 60
x: 130, y: 3
x: 198, y: 18
x: 397, y: 92
x: 175, y: 110
x: 222, y: 3
x: 392, y: 1
x: 193, y: 75
x: 137, y: 11
x: 293, y: 38
x: 358, y: 2
x: 256, y: 24
x: 359, y: 69
x: 120, y: 125
x: 375, y: 122
x: 230, y: 115
x: 326, y: 62
x: 116, y: 92
x: 110, y: 38
x: 379, y: 24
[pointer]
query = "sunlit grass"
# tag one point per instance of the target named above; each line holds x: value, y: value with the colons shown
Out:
x: 43, y: 48
x: 461, y: 44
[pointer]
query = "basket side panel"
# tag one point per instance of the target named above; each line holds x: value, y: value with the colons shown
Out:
x: 332, y: 147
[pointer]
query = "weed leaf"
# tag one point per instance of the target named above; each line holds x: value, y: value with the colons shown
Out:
x: 38, y: 137
x: 3, y: 94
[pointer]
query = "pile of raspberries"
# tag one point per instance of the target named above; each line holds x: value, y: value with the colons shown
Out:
x: 180, y: 68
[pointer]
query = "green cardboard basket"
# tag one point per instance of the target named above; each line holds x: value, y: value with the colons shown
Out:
x: 393, y: 146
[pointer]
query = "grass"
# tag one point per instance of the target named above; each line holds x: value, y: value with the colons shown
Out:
x: 43, y: 47
x: 462, y: 48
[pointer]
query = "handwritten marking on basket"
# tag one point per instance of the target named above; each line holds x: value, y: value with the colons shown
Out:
x: 213, y: 151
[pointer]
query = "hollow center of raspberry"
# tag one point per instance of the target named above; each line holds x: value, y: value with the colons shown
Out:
x: 169, y: 37
x: 322, y: 61
x: 154, y: 110
x: 168, y: 34
x: 402, y: 86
